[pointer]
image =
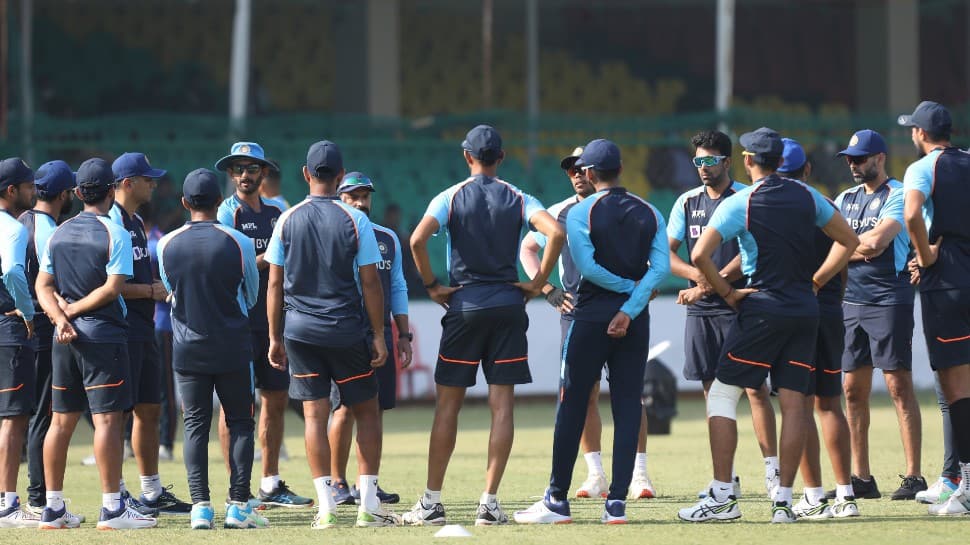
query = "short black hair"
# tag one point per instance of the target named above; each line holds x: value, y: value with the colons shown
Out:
x: 94, y: 196
x: 715, y: 140
x: 768, y: 162
x: 795, y: 174
x: 325, y: 175
x: 48, y: 196
x: 607, y: 175
x: 938, y: 136
x: 201, y: 208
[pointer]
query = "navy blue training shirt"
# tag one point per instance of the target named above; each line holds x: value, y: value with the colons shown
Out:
x: 391, y: 272
x: 830, y: 295
x: 141, y: 312
x: 40, y: 226
x: 568, y: 273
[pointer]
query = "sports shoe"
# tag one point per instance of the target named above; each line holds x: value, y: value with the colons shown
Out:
x: 322, y: 521
x: 805, y: 510
x: 377, y: 519
x: 55, y: 520
x: 957, y: 504
x: 203, y: 516
x: 772, y: 482
x: 383, y: 497
x: 89, y: 460
x: 939, y: 492
x: 17, y: 517
x: 711, y: 509
x: 252, y: 502
x: 166, y: 454
x: 425, y: 515
x: 641, y: 487
x: 490, y: 514
x: 614, y: 512
x: 341, y: 493
x: 242, y: 515
x: 845, y: 508
x: 781, y: 513
x: 125, y: 518
x: 911, y: 485
x: 737, y: 490
x: 282, y: 496
x: 138, y: 506
x: 867, y: 490
x: 72, y: 520
x: 545, y: 511
x: 167, y: 503
x: 595, y: 486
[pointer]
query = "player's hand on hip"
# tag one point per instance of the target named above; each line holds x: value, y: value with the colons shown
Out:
x: 277, y: 355
x: 735, y: 296
x: 690, y: 296
x: 64, y: 332
x: 441, y: 295
x: 618, y: 325
x: 560, y: 299
x: 159, y: 293
x: 529, y: 289
x: 380, y: 352
x: 407, y: 353
x: 934, y: 254
x: 914, y: 274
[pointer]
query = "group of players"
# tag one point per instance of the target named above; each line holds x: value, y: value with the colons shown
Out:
x: 299, y: 303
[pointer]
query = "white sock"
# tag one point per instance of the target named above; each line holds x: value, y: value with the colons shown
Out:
x: 367, y: 484
x: 325, y: 494
x: 594, y: 463
x: 783, y: 494
x: 965, y: 477
x: 814, y: 494
x: 151, y: 486
x: 55, y: 499
x: 121, y: 487
x: 721, y: 490
x: 843, y: 491
x: 487, y: 499
x: 771, y: 465
x: 111, y: 500
x: 432, y: 497
x: 640, y: 464
x: 9, y: 499
x: 269, y: 484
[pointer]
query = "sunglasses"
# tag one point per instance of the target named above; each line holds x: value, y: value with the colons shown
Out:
x: 857, y: 160
x: 573, y: 171
x: 251, y: 168
x: 708, y: 160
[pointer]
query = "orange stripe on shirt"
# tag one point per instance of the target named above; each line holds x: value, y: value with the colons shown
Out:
x: 348, y: 379
x: 449, y: 360
x: 99, y: 386
x: 732, y: 357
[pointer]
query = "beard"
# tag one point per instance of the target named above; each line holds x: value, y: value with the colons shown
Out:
x: 253, y: 186
x: 365, y: 210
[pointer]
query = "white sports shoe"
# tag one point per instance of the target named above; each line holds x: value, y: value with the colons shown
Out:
x: 124, y: 518
x: 641, y: 487
x: 490, y: 514
x: 73, y: 520
x: 957, y: 504
x: 595, y: 486
x: 18, y: 517
x: 425, y: 515
x: 377, y: 519
x: 938, y: 492
x: 711, y: 509
x: 844, y: 508
x: 545, y: 511
x: 806, y: 510
x: 323, y: 521
x: 781, y: 513
x: 736, y: 492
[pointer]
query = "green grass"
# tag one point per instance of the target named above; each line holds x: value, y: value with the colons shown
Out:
x: 679, y: 465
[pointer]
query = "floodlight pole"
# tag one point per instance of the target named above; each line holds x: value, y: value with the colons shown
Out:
x: 239, y: 68
x: 725, y: 60
x: 532, y: 75
x: 26, y: 78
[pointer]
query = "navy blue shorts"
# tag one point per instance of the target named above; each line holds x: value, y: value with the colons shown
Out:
x: 946, y: 325
x: 703, y: 338
x: 312, y: 367
x: 386, y: 380
x: 827, y: 378
x: 267, y: 376
x: 146, y: 371
x: 494, y: 337
x: 94, y: 375
x: 879, y: 337
x: 761, y: 343
x: 17, y: 378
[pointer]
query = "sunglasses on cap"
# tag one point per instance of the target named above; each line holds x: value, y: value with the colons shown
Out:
x: 251, y: 168
x: 857, y: 159
x: 708, y: 160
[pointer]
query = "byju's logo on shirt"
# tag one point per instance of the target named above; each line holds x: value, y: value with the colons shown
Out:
x: 696, y: 230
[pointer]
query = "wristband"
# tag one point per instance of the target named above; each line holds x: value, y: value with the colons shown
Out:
x: 431, y: 285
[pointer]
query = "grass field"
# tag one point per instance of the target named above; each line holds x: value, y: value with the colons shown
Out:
x: 679, y: 465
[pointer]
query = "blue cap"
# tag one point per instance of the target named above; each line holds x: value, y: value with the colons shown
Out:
x: 929, y: 116
x: 763, y: 142
x: 353, y: 181
x: 133, y: 164
x: 202, y: 188
x: 600, y: 154
x: 863, y: 143
x: 13, y: 171
x: 483, y: 143
x: 793, y: 155
x: 243, y: 150
x: 95, y: 174
x: 55, y: 176
x: 324, y: 157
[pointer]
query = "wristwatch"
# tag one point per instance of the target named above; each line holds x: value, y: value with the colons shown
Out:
x: 409, y: 336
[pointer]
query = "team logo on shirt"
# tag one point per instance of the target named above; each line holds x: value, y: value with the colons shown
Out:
x: 875, y: 204
x: 382, y: 247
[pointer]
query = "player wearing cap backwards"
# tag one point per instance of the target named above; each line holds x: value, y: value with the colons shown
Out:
x: 86, y: 263
x: 935, y: 211
x: 16, y: 332
x: 246, y: 211
x: 563, y: 299
x: 611, y: 326
x: 826, y: 389
x: 878, y: 310
x: 55, y: 185
x: 212, y: 292
x: 355, y: 190
x: 485, y: 321
x: 777, y: 323
x: 709, y: 318
x: 324, y: 258
x: 135, y: 182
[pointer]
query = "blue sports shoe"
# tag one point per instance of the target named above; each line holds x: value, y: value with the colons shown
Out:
x: 138, y: 506
x: 202, y: 516
x: 282, y: 496
x: 383, y: 497
x: 342, y: 495
x: 243, y: 516
x: 614, y: 512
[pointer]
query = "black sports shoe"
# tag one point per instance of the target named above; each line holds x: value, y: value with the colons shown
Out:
x: 167, y: 503
x: 862, y: 489
x: 383, y: 497
x: 342, y: 494
x: 138, y: 506
x: 909, y: 487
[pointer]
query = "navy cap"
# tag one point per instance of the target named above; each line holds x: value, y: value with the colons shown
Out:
x: 324, y: 156
x: 202, y: 188
x: 95, y: 174
x: 570, y: 160
x: 929, y: 116
x: 242, y: 150
x: 600, y: 154
x: 863, y: 143
x: 13, y: 171
x: 763, y: 142
x: 55, y: 176
x: 793, y: 155
x: 131, y: 164
x: 274, y: 166
x: 354, y: 181
x: 483, y: 143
